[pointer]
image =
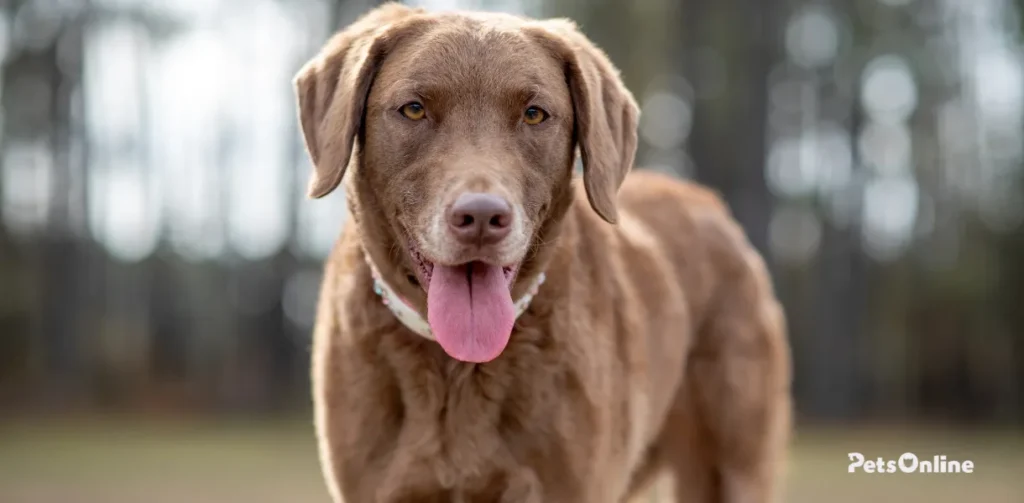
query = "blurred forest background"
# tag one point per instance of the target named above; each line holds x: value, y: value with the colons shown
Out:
x: 158, y: 255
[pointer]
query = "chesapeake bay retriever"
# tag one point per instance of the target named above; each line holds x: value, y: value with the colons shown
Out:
x: 493, y: 328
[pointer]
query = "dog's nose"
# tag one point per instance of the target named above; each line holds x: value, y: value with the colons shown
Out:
x: 478, y: 218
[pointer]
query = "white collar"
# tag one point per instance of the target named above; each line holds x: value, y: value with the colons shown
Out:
x: 407, y: 314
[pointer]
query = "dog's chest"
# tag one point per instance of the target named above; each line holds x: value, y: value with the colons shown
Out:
x: 482, y: 433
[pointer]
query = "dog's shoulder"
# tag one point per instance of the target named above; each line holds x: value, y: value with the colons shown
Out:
x: 696, y: 230
x: 346, y: 290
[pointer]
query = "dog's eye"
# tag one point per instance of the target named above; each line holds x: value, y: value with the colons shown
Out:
x: 413, y: 111
x: 534, y: 116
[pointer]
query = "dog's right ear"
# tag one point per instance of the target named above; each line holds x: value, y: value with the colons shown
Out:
x: 332, y: 89
x: 605, y: 112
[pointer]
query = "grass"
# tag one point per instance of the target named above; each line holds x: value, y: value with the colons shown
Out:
x: 275, y: 462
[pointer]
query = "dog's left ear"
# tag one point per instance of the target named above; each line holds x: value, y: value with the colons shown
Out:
x: 605, y: 111
x: 332, y: 89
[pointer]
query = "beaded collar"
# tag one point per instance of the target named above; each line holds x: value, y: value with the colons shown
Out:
x: 407, y: 314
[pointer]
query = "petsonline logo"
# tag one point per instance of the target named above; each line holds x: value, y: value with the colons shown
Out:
x: 909, y: 463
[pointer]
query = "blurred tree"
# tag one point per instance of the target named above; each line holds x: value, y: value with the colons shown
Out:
x: 729, y: 138
x: 934, y: 329
x: 40, y: 76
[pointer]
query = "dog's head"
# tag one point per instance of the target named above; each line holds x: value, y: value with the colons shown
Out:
x: 460, y: 130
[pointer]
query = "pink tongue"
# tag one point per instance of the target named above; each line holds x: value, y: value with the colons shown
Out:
x: 470, y: 311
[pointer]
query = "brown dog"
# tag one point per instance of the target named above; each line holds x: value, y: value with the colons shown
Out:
x: 655, y: 343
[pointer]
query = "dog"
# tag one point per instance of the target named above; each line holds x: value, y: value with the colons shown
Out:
x: 493, y: 326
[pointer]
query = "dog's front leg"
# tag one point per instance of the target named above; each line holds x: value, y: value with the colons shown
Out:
x: 739, y: 374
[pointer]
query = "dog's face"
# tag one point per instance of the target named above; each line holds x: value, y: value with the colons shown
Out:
x: 468, y: 137
x: 466, y: 127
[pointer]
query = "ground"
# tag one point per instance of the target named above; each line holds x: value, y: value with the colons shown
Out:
x: 120, y: 461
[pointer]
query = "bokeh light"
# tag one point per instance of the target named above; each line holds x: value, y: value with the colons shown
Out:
x: 812, y: 38
x: 888, y: 90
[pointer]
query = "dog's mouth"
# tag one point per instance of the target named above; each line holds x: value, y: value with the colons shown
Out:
x: 425, y: 269
x: 469, y: 305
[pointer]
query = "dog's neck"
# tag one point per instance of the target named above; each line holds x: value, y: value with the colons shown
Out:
x: 412, y: 319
